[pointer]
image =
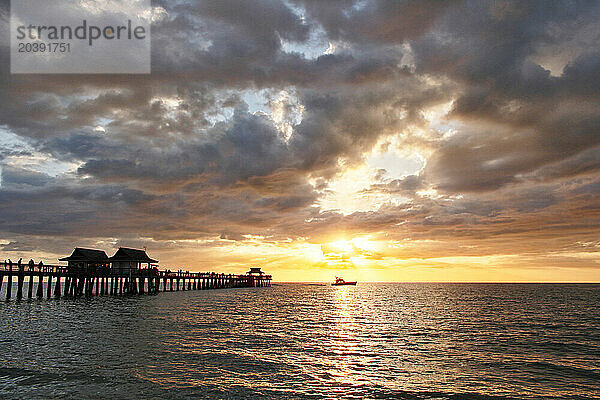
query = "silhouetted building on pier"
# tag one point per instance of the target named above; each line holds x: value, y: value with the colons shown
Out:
x: 255, y: 271
x: 126, y: 259
x: 86, y: 259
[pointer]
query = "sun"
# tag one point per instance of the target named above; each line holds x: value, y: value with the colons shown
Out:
x: 364, y: 243
x: 342, y: 246
x: 354, y: 246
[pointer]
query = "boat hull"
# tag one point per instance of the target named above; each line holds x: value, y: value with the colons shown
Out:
x: 344, y: 284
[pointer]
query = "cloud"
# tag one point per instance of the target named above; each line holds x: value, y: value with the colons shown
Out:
x: 14, y: 177
x: 407, y: 185
x: 235, y: 135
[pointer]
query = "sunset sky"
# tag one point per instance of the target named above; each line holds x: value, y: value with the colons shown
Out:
x: 375, y: 140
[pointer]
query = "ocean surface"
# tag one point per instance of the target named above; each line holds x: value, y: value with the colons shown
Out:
x: 308, y: 341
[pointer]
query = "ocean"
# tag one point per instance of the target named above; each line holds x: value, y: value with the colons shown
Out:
x: 308, y: 341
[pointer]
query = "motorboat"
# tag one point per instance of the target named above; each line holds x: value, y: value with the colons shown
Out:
x: 342, y: 282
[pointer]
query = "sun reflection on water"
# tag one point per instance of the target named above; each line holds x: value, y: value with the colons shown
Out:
x: 344, y: 343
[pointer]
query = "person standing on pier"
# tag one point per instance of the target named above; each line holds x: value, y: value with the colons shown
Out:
x: 31, y: 264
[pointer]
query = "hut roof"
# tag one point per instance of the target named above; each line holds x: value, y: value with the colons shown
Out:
x: 127, y: 254
x: 89, y: 255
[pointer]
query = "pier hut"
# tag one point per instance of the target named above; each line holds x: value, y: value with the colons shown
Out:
x: 127, y: 259
x: 86, y: 260
x: 255, y: 271
x: 256, y: 277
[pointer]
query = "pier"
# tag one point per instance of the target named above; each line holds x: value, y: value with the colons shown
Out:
x: 91, y: 273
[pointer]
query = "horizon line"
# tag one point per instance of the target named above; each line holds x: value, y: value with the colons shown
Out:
x: 457, y: 282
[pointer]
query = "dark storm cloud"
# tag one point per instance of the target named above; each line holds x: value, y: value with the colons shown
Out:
x: 582, y: 163
x: 247, y: 146
x: 261, y: 19
x: 18, y: 247
x: 180, y: 155
x: 527, y: 118
x: 13, y: 177
x: 61, y: 208
x: 377, y: 21
x: 407, y: 185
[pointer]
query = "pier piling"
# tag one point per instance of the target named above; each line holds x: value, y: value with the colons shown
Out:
x: 20, y: 277
x: 30, y: 285
x: 40, y: 287
x: 49, y: 287
x: 9, y: 288
x: 57, y: 287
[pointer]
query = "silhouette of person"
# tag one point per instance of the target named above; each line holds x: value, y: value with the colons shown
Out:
x: 31, y: 264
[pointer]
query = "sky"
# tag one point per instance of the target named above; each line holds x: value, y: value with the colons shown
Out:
x: 375, y: 140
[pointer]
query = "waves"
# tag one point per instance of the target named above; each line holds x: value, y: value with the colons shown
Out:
x: 299, y: 341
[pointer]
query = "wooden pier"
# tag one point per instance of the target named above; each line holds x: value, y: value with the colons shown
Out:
x: 65, y: 281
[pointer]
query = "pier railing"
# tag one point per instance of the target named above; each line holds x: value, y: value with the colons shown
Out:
x: 7, y: 267
x: 103, y: 280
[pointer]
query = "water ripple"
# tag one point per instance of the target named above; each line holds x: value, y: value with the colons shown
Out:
x: 301, y: 341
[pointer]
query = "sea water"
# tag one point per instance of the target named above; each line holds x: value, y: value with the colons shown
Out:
x: 308, y: 341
